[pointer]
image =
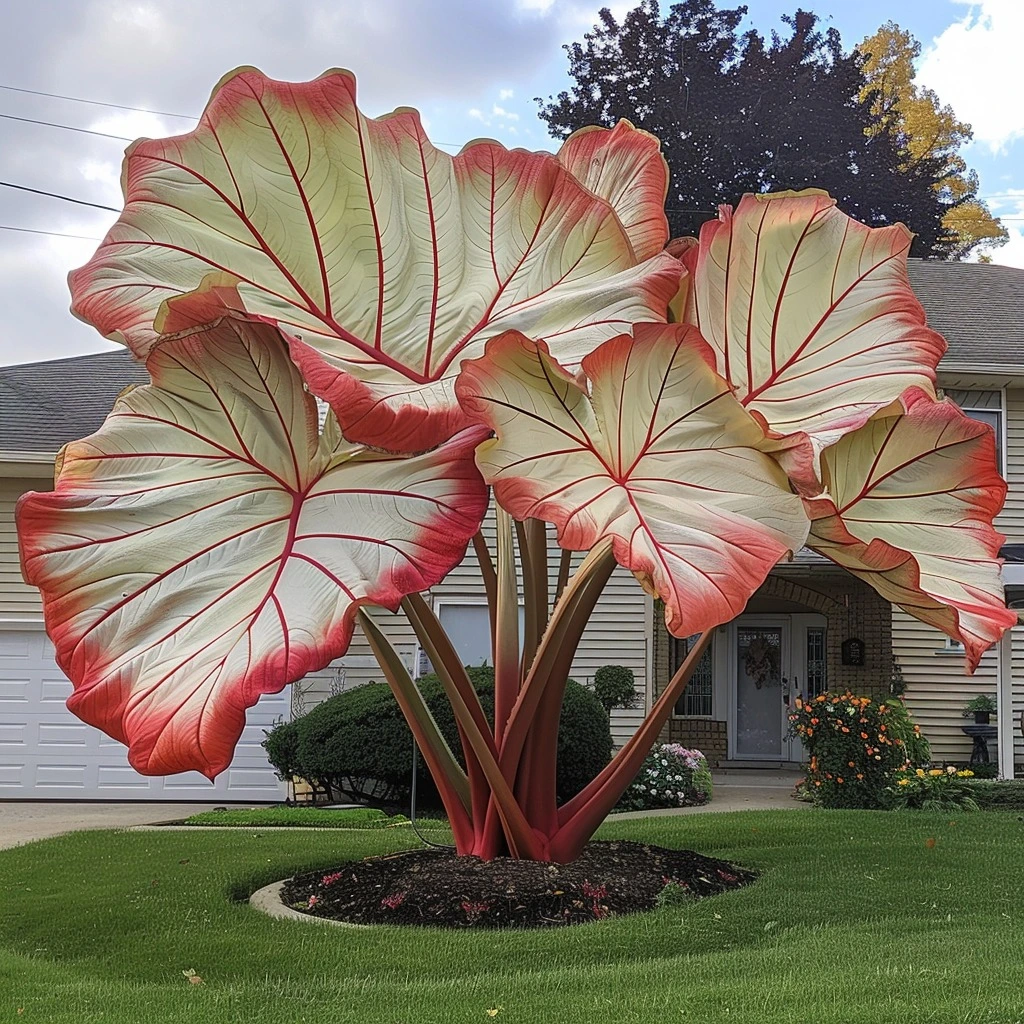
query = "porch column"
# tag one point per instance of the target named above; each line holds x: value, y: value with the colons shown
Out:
x: 1004, y: 701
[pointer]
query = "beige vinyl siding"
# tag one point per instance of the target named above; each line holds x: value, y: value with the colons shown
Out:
x: 18, y: 601
x: 618, y: 633
x: 937, y: 687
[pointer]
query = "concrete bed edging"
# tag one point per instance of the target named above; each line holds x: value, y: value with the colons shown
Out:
x: 268, y: 901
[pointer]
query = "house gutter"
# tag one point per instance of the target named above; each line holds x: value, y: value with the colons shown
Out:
x: 35, y: 465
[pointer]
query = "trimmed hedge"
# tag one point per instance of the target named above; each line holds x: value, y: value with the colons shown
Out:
x: 998, y: 794
x: 358, y: 744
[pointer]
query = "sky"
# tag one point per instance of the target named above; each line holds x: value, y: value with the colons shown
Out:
x: 472, y: 67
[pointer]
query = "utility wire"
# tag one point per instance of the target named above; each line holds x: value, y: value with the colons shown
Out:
x: 117, y: 106
x: 57, y: 195
x: 56, y: 234
x: 96, y: 103
x: 66, y: 127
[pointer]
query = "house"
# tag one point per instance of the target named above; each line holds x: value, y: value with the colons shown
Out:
x: 809, y: 608
x: 811, y: 625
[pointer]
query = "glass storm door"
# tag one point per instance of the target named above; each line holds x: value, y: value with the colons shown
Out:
x: 762, y: 670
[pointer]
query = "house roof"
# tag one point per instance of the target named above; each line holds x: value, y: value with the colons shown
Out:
x: 45, y: 405
x: 978, y: 307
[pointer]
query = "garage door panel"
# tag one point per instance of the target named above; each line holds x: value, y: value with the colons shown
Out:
x: 12, y: 778
x: 14, y: 690
x: 13, y: 734
x: 47, y: 753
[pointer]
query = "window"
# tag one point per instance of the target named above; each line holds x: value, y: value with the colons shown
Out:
x: 696, y: 701
x: 469, y: 628
x: 817, y: 677
x: 986, y: 407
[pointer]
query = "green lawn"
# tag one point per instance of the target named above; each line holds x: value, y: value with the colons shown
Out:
x: 858, y: 917
x: 308, y: 817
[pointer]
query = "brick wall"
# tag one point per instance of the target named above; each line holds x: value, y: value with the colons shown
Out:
x: 851, y: 609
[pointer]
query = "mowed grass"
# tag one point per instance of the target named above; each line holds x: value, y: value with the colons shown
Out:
x: 857, y: 917
x: 308, y: 817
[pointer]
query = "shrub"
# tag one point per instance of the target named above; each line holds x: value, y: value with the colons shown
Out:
x: 614, y: 687
x: 998, y: 794
x: 938, y: 789
x: 856, y: 746
x: 281, y: 743
x: 358, y: 744
x: 671, y: 776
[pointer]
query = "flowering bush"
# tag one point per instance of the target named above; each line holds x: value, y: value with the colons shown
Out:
x: 938, y: 789
x: 856, y: 747
x: 671, y: 776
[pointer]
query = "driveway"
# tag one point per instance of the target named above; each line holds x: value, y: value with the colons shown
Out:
x: 24, y: 821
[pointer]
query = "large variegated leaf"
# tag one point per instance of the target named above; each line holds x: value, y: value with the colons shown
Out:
x: 811, y: 316
x: 206, y: 545
x: 386, y: 261
x: 659, y: 456
x: 624, y: 165
x: 911, y: 499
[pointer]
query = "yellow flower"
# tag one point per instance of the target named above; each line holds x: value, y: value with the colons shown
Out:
x: 965, y: 774
x: 935, y: 771
x: 920, y: 773
x: 904, y: 782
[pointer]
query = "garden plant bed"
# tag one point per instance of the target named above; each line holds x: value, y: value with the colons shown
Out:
x: 436, y: 888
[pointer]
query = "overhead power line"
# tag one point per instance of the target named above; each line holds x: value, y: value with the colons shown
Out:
x: 56, y: 234
x: 66, y: 127
x: 116, y: 106
x: 96, y: 103
x: 57, y: 195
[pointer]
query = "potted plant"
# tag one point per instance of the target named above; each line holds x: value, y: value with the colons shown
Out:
x: 981, y: 707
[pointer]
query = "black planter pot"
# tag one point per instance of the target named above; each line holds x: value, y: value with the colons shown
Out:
x: 981, y: 717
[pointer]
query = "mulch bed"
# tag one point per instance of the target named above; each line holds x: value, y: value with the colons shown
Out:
x: 430, y: 887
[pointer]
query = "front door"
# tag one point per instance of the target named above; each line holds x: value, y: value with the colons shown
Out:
x: 761, y: 660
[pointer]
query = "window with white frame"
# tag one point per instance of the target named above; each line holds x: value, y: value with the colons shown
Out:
x: 985, y: 407
x: 697, y: 698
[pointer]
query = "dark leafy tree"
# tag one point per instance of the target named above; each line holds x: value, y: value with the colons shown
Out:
x: 741, y: 113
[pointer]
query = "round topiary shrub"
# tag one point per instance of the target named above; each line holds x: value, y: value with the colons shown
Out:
x: 614, y: 687
x: 358, y: 744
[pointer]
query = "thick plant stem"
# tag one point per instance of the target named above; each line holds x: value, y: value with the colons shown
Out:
x: 522, y: 841
x: 564, y: 565
x: 533, y: 556
x: 506, y: 636
x: 483, y: 557
x: 580, y: 817
x: 453, y: 676
x: 452, y: 783
x: 561, y: 639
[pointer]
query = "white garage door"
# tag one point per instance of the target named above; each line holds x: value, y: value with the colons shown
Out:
x: 48, y: 754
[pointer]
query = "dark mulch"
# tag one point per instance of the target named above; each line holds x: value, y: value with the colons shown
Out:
x: 428, y: 887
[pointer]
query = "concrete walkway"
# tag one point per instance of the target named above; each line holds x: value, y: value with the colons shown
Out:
x: 741, y: 790
x: 24, y: 821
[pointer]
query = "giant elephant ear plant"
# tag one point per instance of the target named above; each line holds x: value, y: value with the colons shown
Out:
x: 498, y: 318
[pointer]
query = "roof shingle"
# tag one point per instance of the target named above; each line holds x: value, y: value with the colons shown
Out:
x: 978, y: 307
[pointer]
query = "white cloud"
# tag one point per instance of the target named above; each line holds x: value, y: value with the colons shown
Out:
x: 1010, y: 203
x: 506, y: 94
x: 497, y: 111
x: 475, y: 113
x: 974, y: 66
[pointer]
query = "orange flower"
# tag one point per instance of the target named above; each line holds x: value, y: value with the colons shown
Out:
x: 850, y: 764
x: 814, y: 721
x: 799, y: 703
x: 860, y: 775
x: 840, y: 780
x: 845, y: 729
